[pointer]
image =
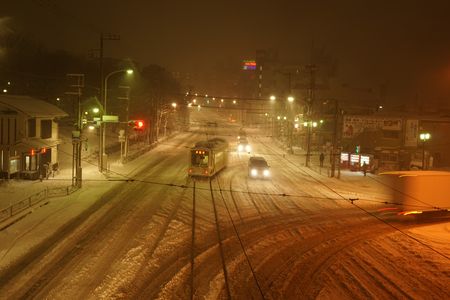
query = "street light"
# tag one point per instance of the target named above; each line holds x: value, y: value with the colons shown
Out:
x: 424, y: 137
x: 290, y: 99
x: 128, y: 71
x: 273, y: 98
x: 103, y: 140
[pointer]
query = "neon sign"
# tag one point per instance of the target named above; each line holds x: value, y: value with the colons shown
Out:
x: 249, y: 65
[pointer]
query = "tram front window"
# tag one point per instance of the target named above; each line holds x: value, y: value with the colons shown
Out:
x: 199, y: 158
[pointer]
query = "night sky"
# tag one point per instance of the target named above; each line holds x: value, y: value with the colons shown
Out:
x: 405, y: 44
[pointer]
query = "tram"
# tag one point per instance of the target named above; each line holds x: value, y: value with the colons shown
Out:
x: 419, y: 191
x: 208, y: 157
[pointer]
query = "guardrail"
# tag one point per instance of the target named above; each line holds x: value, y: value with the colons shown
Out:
x: 34, y: 199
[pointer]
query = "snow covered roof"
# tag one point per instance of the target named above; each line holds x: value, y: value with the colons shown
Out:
x: 30, y: 106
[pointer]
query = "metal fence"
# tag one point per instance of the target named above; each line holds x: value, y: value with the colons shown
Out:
x: 34, y: 199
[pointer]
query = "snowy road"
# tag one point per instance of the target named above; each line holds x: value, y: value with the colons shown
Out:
x: 295, y: 236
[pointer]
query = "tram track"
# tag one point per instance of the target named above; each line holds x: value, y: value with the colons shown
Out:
x: 79, y: 241
x: 223, y: 237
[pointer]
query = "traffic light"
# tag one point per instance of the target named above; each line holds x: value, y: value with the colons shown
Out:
x: 137, y: 124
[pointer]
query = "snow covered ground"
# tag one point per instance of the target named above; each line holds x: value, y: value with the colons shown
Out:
x: 295, y: 236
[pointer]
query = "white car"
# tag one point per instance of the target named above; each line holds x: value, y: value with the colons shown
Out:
x: 258, y: 168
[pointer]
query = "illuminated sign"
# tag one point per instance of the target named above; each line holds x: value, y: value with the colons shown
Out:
x: 249, y: 65
x: 365, y: 159
x: 344, y: 156
x: 354, y: 158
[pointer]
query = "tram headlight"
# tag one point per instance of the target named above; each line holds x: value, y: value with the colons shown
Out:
x: 266, y: 173
x: 248, y: 148
x: 240, y: 148
x: 254, y: 172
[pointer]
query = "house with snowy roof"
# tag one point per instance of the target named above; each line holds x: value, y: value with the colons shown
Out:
x: 28, y: 137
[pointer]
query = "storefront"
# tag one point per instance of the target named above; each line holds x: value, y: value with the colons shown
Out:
x: 355, y: 162
x: 36, y: 161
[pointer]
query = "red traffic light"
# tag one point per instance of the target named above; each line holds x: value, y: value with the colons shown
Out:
x: 137, y: 124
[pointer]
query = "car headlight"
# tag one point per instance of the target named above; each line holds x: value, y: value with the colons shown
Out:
x: 266, y: 173
x: 248, y: 148
x: 254, y: 172
x: 240, y: 148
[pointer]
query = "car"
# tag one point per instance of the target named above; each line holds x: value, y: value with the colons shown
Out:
x: 243, y: 145
x: 258, y: 167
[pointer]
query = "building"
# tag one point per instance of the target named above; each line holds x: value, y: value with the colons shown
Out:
x: 394, y: 141
x: 28, y: 137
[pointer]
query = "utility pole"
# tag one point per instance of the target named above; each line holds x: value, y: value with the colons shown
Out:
x: 311, y: 94
x: 77, y: 133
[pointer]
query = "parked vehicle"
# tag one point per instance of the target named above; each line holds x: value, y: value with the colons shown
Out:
x: 208, y: 157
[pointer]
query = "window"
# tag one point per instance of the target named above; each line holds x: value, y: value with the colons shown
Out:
x: 31, y: 127
x: 46, y: 129
x: 30, y: 163
x: 200, y: 159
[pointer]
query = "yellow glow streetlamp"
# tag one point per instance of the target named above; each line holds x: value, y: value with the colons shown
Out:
x: 273, y: 98
x: 425, y: 136
x: 103, y: 157
x: 128, y: 71
x: 290, y: 99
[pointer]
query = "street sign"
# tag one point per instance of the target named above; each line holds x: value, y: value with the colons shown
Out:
x: 110, y: 119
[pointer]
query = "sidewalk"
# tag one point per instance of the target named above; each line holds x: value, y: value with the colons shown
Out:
x: 15, y: 190
x: 349, y: 184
